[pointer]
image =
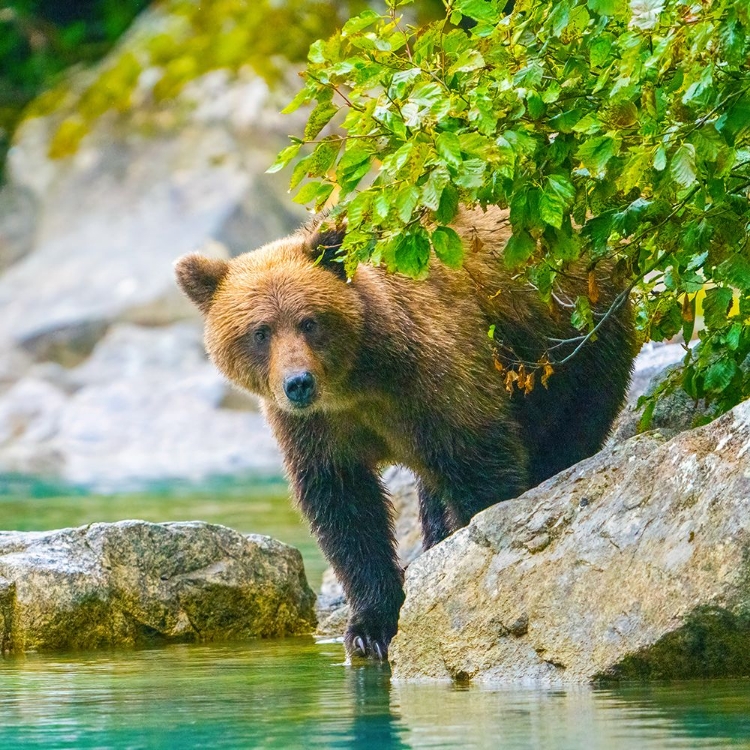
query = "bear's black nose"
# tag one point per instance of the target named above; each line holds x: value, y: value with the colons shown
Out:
x: 300, y: 388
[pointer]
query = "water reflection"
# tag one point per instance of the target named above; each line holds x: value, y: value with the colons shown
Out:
x: 293, y: 693
x: 376, y: 723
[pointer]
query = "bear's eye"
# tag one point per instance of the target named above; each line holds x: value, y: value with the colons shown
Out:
x: 308, y: 325
x: 261, y: 335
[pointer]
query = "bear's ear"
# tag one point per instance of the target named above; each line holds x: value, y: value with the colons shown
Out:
x: 199, y: 277
x: 324, y: 246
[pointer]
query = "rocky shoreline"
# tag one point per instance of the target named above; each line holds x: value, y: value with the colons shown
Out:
x: 632, y: 564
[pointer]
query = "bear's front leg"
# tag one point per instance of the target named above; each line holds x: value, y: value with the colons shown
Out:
x: 351, y: 516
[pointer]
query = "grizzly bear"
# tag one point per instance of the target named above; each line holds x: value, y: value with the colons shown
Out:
x: 380, y: 368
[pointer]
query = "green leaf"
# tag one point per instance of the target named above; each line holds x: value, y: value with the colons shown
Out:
x: 470, y: 59
x: 406, y: 201
x: 449, y: 148
x: 606, y: 7
x: 352, y: 162
x: 479, y: 10
x: 433, y: 188
x: 682, y: 168
x: 412, y: 254
x: 285, y: 156
x: 719, y: 375
x: 471, y: 173
x: 582, y: 316
x: 534, y: 105
x: 716, y: 306
x: 358, y: 23
x: 734, y: 336
x: 448, y: 246
x: 311, y: 190
x: 381, y: 206
x: 595, y: 153
x: 519, y: 248
x: 600, y: 50
x: 358, y: 208
x: 319, y: 118
x: 551, y: 209
x: 299, y: 172
x: 323, y: 157
x: 448, y: 207
x: 302, y: 97
x: 660, y: 159
x: 644, y: 423
x: 560, y: 185
x: 565, y: 121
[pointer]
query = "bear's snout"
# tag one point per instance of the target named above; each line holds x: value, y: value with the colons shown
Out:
x: 300, y: 389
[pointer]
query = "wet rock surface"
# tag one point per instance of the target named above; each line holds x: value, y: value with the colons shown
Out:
x: 133, y: 582
x: 599, y: 573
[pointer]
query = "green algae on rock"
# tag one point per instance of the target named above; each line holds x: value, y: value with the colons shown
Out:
x: 132, y: 582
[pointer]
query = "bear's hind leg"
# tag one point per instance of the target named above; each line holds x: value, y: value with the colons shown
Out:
x: 432, y: 515
x: 480, y: 470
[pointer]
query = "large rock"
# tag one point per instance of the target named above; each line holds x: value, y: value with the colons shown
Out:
x: 674, y: 412
x: 108, y: 585
x: 146, y: 406
x: 18, y: 217
x: 633, y: 563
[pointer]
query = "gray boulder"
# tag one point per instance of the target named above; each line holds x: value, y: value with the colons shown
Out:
x: 631, y: 564
x: 18, y: 217
x: 673, y: 413
x: 127, y: 583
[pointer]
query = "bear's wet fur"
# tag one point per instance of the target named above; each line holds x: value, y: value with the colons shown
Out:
x: 384, y: 369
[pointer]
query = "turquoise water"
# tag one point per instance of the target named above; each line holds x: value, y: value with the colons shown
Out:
x: 257, y: 506
x: 295, y: 693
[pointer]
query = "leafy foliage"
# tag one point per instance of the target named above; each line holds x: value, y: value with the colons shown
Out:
x: 182, y: 41
x: 38, y: 40
x: 612, y: 130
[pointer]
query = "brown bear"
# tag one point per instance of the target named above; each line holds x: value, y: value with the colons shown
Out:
x: 378, y: 369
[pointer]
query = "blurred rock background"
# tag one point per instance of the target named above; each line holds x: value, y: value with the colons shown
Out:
x: 112, y: 173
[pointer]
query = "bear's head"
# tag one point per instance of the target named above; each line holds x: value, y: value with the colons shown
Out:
x: 282, y: 321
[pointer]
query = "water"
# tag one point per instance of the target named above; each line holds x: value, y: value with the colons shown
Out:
x: 257, y: 506
x: 295, y: 693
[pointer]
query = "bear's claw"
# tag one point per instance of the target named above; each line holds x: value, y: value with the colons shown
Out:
x: 367, y: 647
